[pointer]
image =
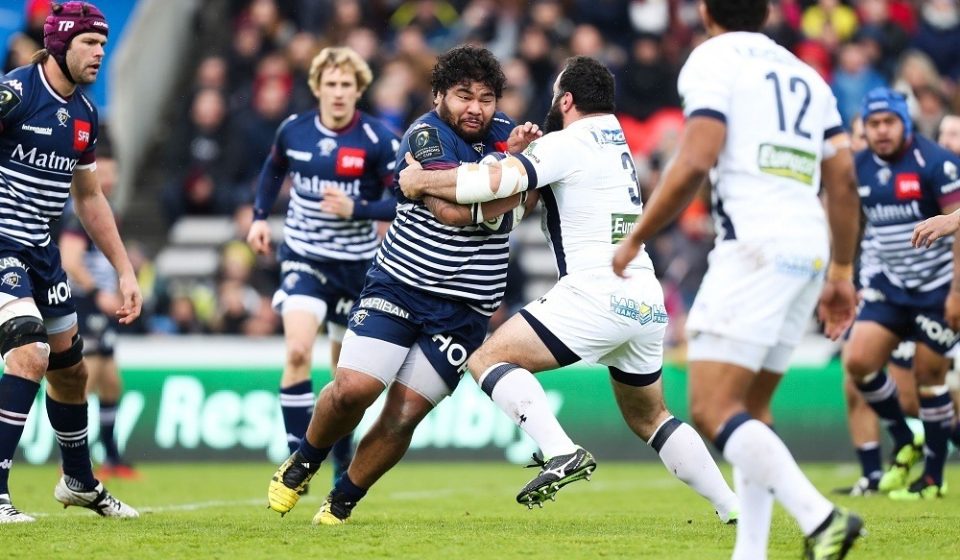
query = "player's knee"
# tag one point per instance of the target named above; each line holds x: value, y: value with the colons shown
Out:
x: 858, y: 364
x: 23, y: 340
x: 909, y: 403
x: 852, y: 396
x: 702, y: 415
x: 70, y: 358
x: 299, y: 356
x: 348, y: 395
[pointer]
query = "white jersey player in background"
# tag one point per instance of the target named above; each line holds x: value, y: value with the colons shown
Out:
x: 770, y: 125
x: 587, y: 181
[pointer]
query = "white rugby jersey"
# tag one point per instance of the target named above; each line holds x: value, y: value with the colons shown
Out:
x: 779, y: 113
x: 588, y: 184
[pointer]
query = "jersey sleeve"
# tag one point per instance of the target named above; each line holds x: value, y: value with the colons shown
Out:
x: 832, y: 121
x: 272, y: 173
x: 548, y: 159
x: 705, y: 83
x: 387, y: 163
x: 88, y: 158
x: 11, y: 102
x: 946, y: 181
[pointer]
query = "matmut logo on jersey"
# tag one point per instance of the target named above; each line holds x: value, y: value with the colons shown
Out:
x: 907, y: 186
x: 350, y: 161
x: 81, y: 135
x: 50, y: 160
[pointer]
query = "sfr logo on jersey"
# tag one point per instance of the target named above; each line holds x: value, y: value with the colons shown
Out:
x: 81, y: 135
x: 350, y: 161
x: 907, y: 186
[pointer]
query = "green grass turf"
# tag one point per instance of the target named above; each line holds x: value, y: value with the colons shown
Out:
x: 452, y: 511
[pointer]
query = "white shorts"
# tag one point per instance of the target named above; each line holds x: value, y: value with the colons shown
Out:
x: 604, y: 319
x: 755, y: 303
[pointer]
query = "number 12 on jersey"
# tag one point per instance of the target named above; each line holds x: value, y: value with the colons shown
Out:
x: 798, y: 86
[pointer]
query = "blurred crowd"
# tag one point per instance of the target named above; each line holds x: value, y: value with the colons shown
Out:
x: 242, y: 89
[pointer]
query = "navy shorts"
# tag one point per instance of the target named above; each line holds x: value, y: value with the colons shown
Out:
x: 447, y: 330
x: 98, y: 330
x: 918, y: 317
x: 34, y: 272
x: 337, y: 283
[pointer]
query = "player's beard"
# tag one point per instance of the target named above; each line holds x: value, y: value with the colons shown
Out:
x: 444, y: 111
x: 554, y: 119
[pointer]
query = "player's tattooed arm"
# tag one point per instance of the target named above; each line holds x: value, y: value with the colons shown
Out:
x: 453, y: 214
x: 465, y: 184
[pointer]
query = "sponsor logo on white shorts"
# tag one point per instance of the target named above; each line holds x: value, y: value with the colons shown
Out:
x: 638, y: 311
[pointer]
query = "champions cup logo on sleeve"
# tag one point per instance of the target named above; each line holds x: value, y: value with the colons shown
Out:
x: 350, y: 162
x: 907, y: 186
x: 81, y: 135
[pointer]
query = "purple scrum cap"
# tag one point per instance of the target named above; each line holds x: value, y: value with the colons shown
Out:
x: 65, y: 22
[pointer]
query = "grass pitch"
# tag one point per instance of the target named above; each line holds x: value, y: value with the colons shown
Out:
x: 454, y: 511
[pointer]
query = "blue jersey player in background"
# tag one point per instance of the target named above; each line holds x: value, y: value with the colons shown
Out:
x: 438, y: 277
x: 339, y: 160
x: 93, y: 287
x: 905, y: 178
x: 48, y: 135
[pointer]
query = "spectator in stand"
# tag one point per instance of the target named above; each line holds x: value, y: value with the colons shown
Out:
x: 265, y: 16
x: 887, y: 37
x: 931, y: 109
x: 434, y: 18
x: 779, y: 29
x: 211, y: 74
x: 852, y: 80
x: 818, y: 57
x: 939, y: 35
x: 196, y: 156
x: 536, y: 50
x: 251, y: 137
x: 647, y: 83
x: 246, y: 49
x: 300, y: 52
x: 517, y: 92
x: 650, y: 16
x: 829, y: 21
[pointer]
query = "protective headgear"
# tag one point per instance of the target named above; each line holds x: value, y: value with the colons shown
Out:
x: 65, y: 22
x: 886, y: 100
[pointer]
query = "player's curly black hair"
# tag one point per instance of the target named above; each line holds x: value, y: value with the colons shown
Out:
x: 467, y: 64
x: 591, y: 84
x: 738, y: 15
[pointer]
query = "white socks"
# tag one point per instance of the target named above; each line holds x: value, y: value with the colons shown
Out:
x: 756, y: 511
x: 521, y: 397
x: 686, y: 456
x: 764, y: 460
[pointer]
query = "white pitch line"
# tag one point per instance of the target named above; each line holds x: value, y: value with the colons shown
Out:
x: 595, y: 486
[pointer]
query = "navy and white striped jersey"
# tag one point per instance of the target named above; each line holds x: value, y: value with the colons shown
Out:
x: 896, y: 195
x: 43, y: 139
x: 467, y: 264
x: 358, y: 159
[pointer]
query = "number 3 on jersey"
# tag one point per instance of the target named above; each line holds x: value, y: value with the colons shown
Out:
x: 796, y: 85
x: 628, y: 165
